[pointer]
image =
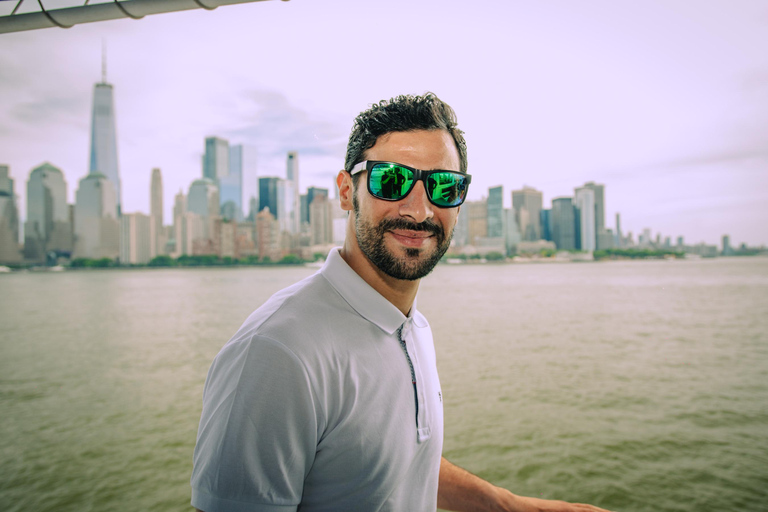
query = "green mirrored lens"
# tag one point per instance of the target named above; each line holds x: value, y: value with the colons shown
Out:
x: 390, y: 181
x: 446, y: 188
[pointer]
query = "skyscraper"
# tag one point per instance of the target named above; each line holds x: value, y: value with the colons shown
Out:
x: 103, y: 158
x: 584, y: 200
x: 599, y: 191
x: 242, y: 170
x: 156, y: 194
x: 156, y: 213
x: 292, y: 192
x: 203, y: 200
x: 599, y: 215
x: 136, y: 238
x: 9, y: 220
x: 321, y: 220
x: 495, y: 211
x: 47, y: 227
x: 563, y: 220
x: 247, y: 160
x: 312, y: 193
x: 477, y: 220
x: 271, y: 192
x: 545, y: 221
x: 216, y: 159
x: 527, y: 205
x: 97, y: 230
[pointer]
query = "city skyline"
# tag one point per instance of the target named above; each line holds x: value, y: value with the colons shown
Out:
x: 674, y: 127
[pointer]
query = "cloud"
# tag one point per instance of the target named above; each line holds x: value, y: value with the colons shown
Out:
x: 64, y: 108
x: 268, y: 121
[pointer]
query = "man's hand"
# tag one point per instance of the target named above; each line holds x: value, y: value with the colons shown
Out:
x: 461, y: 491
x: 525, y: 504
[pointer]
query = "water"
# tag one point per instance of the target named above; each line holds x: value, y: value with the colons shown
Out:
x: 639, y: 386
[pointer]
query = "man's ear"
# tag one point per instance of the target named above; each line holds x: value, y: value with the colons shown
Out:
x: 346, y: 189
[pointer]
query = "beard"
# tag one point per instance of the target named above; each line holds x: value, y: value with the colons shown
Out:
x: 417, y: 262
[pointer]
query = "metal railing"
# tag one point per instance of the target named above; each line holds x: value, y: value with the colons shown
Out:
x: 46, y: 14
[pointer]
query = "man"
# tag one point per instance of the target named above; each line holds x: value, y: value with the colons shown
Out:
x: 327, y: 398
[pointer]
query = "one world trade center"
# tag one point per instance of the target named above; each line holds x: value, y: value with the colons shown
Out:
x: 103, y: 136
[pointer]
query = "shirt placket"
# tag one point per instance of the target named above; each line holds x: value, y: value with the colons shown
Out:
x: 405, y: 335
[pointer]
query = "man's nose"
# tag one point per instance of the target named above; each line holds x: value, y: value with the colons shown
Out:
x: 416, y: 205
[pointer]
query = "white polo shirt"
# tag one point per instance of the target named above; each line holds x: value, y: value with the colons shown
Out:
x: 311, y: 405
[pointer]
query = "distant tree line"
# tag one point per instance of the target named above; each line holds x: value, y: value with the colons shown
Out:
x: 635, y: 254
x: 198, y: 260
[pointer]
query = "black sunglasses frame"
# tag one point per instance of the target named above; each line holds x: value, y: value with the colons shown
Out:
x: 418, y: 175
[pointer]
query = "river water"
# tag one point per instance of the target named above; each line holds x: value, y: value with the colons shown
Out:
x: 638, y: 386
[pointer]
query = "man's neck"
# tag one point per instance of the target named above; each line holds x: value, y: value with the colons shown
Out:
x: 400, y: 292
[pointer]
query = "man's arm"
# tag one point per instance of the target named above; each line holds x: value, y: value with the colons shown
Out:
x: 461, y: 491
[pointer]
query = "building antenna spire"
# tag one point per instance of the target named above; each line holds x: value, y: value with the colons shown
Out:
x: 103, y: 61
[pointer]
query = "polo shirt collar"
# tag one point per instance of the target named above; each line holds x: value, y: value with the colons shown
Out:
x: 369, y: 303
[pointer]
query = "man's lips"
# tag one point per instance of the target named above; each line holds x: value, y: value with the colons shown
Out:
x: 411, y: 238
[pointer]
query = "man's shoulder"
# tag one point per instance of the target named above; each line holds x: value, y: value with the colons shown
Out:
x: 296, y: 315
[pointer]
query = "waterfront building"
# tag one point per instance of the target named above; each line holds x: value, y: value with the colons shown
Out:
x: 6, y: 182
x: 243, y: 161
x: 495, y: 213
x: 292, y: 193
x: 644, y: 240
x: 512, y: 235
x: 268, y: 236
x: 312, y: 193
x: 461, y: 230
x: 203, y: 200
x: 48, y: 227
x: 527, y: 204
x: 339, y: 222
x: 289, y: 207
x: 9, y: 211
x: 216, y: 159
x: 97, y: 230
x: 136, y: 232
x: 477, y: 220
x: 268, y: 194
x: 224, y: 238
x: 231, y: 186
x: 584, y: 201
x: 156, y: 212
x: 599, y: 193
x: 605, y: 239
x: 103, y: 155
x: 189, y: 227
x: 619, y: 242
x: 253, y: 208
x: 563, y: 218
x: 321, y: 221
x: 304, y: 212
x: 9, y: 220
x: 545, y: 220
x: 727, y: 249
x: 601, y: 240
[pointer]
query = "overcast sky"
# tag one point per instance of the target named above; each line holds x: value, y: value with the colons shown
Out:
x: 664, y: 102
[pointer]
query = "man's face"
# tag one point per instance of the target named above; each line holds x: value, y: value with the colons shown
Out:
x: 405, y: 239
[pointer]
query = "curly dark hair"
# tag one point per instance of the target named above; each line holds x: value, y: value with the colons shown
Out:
x: 401, y: 114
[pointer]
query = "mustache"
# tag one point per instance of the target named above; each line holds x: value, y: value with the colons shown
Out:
x: 427, y: 225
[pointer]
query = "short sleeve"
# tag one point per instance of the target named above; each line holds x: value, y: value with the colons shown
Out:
x: 258, y: 430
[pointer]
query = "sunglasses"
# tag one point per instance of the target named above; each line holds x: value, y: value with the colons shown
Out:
x: 392, y: 182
